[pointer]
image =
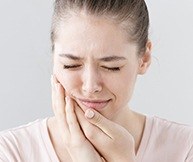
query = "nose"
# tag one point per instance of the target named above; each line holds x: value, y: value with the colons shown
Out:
x: 91, y: 80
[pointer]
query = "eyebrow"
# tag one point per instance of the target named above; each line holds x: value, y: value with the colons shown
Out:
x: 105, y: 59
x: 70, y: 56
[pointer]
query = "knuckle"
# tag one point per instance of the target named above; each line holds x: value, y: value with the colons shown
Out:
x: 98, y: 119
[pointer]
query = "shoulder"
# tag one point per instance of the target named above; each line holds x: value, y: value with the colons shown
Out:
x: 25, y: 129
x: 171, y: 129
x: 15, y: 141
x: 171, y: 136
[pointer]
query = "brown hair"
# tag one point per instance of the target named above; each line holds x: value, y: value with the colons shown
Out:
x: 133, y: 13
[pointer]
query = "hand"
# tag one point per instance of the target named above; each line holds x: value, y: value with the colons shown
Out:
x: 113, y: 141
x: 79, y: 148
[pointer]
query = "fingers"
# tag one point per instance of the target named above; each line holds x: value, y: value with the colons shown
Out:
x: 88, y: 128
x: 63, y: 107
x: 71, y: 118
x: 58, y: 104
x: 101, y: 122
x: 57, y: 97
x: 92, y: 132
x: 53, y: 92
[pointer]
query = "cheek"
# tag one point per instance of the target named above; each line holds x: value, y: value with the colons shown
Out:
x: 127, y: 88
x: 70, y: 81
x: 122, y: 87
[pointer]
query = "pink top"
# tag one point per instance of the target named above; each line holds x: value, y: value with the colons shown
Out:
x: 163, y: 141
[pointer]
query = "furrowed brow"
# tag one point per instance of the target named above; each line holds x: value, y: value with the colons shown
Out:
x: 104, y: 59
x: 112, y: 58
x: 70, y: 56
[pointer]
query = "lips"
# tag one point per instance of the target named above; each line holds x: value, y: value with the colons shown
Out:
x: 94, y: 104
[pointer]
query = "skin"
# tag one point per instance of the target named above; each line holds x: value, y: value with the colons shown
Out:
x: 115, y: 131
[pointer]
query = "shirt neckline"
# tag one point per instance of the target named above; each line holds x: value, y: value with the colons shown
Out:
x: 145, y: 138
x: 140, y: 152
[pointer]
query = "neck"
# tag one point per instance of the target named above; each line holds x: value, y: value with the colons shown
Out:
x: 133, y: 122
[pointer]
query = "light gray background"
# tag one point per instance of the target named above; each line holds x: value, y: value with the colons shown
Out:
x: 25, y: 62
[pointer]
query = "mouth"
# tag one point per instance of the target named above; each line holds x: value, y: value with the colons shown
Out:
x: 94, y: 104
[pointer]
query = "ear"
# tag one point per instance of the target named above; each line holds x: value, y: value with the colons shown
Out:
x: 145, y: 59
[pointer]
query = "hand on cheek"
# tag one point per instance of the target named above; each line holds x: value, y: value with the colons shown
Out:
x: 79, y: 148
x: 113, y: 141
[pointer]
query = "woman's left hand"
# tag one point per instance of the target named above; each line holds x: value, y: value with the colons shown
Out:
x: 113, y: 141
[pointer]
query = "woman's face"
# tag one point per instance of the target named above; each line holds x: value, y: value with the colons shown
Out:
x: 95, y: 63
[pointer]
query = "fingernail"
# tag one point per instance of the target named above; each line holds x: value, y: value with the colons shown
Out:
x: 89, y: 114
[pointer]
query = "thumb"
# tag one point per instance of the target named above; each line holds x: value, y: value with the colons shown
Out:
x: 100, y: 121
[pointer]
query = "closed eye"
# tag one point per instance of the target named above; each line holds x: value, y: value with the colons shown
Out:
x: 76, y: 66
x: 112, y: 68
x: 71, y: 66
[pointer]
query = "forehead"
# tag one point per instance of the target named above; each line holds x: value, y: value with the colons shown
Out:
x: 91, y: 34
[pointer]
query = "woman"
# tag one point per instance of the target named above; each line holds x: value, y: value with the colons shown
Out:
x: 99, y: 48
